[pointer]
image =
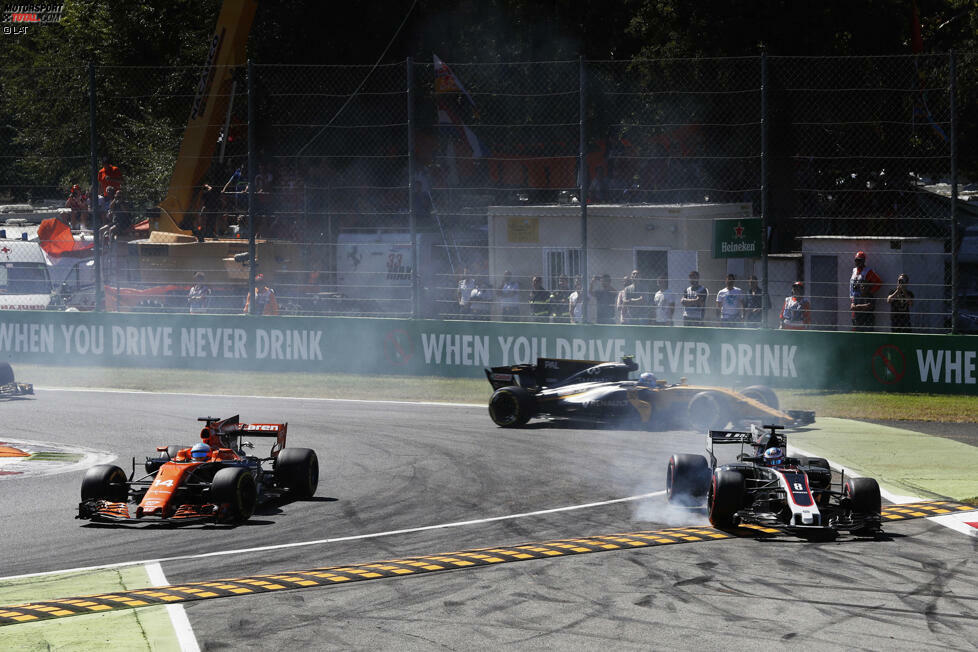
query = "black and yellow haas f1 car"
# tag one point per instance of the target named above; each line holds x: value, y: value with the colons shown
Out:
x: 214, y: 481
x: 9, y: 387
x: 602, y: 393
x: 767, y: 488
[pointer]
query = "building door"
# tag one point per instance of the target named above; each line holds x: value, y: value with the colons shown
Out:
x: 823, y: 292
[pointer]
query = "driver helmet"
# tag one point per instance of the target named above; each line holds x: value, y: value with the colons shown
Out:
x: 200, y: 452
x: 647, y: 379
x: 774, y: 456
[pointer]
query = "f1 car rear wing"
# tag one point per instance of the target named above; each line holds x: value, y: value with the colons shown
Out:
x: 760, y: 438
x: 552, y: 372
x: 220, y: 432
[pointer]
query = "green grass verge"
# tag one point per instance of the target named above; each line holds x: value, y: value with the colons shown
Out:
x: 854, y: 405
x: 147, y: 629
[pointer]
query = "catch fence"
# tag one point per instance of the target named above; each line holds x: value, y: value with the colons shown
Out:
x: 411, y: 189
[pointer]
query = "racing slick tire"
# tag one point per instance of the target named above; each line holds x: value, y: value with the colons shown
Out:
x: 511, y: 407
x: 297, y: 469
x: 6, y: 373
x: 687, y: 479
x: 234, y: 487
x: 726, y: 497
x: 864, y: 494
x: 706, y: 412
x: 762, y: 394
x: 105, y: 482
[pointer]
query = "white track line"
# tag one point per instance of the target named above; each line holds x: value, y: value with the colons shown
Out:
x: 178, y: 616
x: 301, y: 544
x: 283, y: 398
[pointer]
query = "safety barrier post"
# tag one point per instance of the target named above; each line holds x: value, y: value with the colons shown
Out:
x: 765, y: 188
x: 251, y: 188
x: 954, y: 190
x: 412, y: 216
x: 93, y: 194
x: 582, y: 192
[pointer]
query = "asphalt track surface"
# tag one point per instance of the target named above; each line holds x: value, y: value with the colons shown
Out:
x: 387, y: 467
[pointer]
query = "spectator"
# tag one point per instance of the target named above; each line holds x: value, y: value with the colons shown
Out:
x: 632, y: 300
x: 265, y: 303
x: 480, y: 300
x: 77, y: 202
x: 559, y: 298
x: 620, y: 311
x: 604, y: 296
x: 694, y: 301
x: 210, y: 208
x: 754, y: 303
x: 466, y: 284
x: 863, y: 318
x: 665, y: 301
x: 901, y: 301
x: 109, y: 175
x: 539, y: 300
x: 576, y: 302
x: 509, y: 298
x: 199, y: 295
x: 796, y: 312
x: 870, y: 283
x: 119, y: 217
x: 730, y: 303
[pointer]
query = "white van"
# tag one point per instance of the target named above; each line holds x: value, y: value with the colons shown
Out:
x: 24, y: 280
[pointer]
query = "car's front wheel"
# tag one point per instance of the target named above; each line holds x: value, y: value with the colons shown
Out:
x: 511, y: 407
x: 105, y: 482
x: 234, y: 489
x: 706, y: 412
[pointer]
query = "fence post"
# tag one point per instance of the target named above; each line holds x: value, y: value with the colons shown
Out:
x: 765, y: 219
x: 93, y: 194
x: 582, y: 191
x: 954, y: 191
x: 412, y: 216
x: 252, y: 262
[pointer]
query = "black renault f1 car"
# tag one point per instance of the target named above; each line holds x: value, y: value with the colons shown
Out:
x: 9, y: 387
x: 220, y: 483
x: 602, y: 393
x: 797, y: 495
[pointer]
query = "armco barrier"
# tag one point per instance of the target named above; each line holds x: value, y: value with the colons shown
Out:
x: 730, y: 357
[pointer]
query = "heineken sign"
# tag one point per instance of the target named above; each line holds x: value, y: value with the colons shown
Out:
x: 737, y: 238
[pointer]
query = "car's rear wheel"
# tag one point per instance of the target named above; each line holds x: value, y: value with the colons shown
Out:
x: 511, y: 407
x: 687, y: 479
x: 105, y: 482
x: 726, y: 497
x: 706, y: 412
x: 6, y: 373
x: 762, y: 394
x: 234, y: 489
x: 297, y: 469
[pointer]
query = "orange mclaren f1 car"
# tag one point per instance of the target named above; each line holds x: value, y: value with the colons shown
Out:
x: 602, y: 393
x: 214, y: 481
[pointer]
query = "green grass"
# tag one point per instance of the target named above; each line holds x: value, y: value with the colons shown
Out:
x: 854, y: 405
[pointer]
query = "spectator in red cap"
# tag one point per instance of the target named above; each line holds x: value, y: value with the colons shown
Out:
x: 76, y: 201
x: 864, y: 283
x: 265, y: 303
